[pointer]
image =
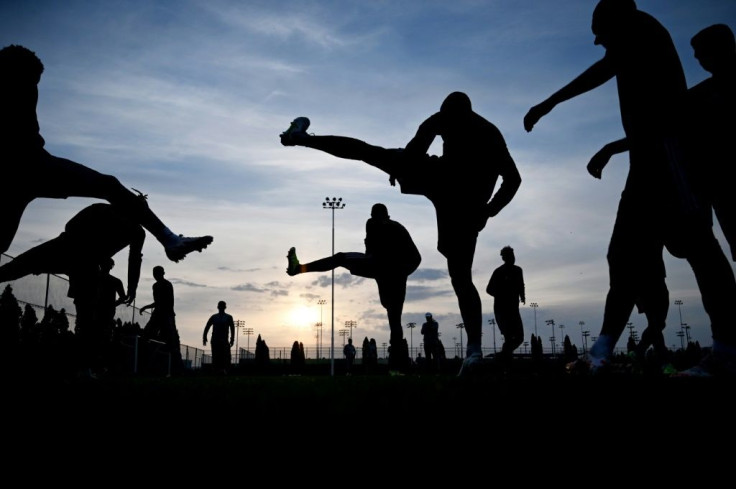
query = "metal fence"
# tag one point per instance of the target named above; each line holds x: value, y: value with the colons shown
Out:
x: 41, y: 291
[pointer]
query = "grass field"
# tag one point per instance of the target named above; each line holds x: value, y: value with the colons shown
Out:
x: 133, y: 423
x: 377, y: 398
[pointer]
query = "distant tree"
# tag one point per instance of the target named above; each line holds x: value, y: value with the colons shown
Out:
x: 537, y: 351
x: 569, y: 350
x: 297, y: 360
x: 29, y: 319
x: 441, y: 356
x: 631, y: 344
x: 10, y: 314
x: 30, y: 333
x: 262, y: 352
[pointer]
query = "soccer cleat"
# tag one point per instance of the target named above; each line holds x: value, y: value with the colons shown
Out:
x: 587, y: 365
x: 297, y: 129
x: 183, y: 246
x: 293, y: 267
x: 698, y: 371
x: 713, y: 364
x: 470, y: 365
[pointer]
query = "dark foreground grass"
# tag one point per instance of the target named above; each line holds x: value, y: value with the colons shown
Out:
x: 386, y: 422
x: 378, y: 400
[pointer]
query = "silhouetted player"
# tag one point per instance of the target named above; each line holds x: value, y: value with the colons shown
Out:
x: 506, y: 286
x: 460, y: 184
x: 30, y: 172
x: 658, y: 199
x: 162, y: 324
x: 390, y: 257
x: 91, y: 237
x: 707, y: 128
x: 223, y: 337
x: 83, y: 252
x: 712, y: 109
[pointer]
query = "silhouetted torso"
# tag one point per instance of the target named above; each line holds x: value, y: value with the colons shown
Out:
x: 474, y: 154
x: 392, y: 247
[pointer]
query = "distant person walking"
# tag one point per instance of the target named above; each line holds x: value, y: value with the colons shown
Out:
x: 506, y: 286
x: 223, y: 337
x: 162, y: 325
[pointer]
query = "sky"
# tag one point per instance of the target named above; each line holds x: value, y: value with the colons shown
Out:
x: 185, y: 100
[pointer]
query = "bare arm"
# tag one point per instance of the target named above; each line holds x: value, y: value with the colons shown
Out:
x: 599, y: 160
x: 206, y: 330
x: 510, y: 183
x: 422, y: 140
x: 595, y: 76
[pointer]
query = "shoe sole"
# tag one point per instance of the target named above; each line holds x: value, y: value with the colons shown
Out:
x: 180, y: 252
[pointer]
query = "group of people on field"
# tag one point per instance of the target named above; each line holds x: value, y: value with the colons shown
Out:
x: 680, y: 169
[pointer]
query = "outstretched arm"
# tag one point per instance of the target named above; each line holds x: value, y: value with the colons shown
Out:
x: 595, y: 76
x: 599, y: 160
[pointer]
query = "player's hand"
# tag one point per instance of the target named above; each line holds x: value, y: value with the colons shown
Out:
x: 598, y: 162
x: 536, y: 113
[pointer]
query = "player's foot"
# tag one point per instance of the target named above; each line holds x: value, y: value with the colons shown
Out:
x: 588, y: 364
x: 713, y: 364
x: 470, y: 365
x: 293, y: 267
x: 297, y: 130
x: 183, y: 246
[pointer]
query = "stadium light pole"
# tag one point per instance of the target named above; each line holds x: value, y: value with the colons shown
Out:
x: 582, y: 335
x: 351, y: 324
x: 248, y: 332
x: 239, y: 323
x: 492, y: 322
x: 683, y: 326
x: 411, y: 327
x: 562, y: 337
x: 321, y: 303
x: 461, y: 326
x: 319, y: 327
x: 534, y: 306
x: 552, y: 339
x: 343, y: 333
x: 333, y: 204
